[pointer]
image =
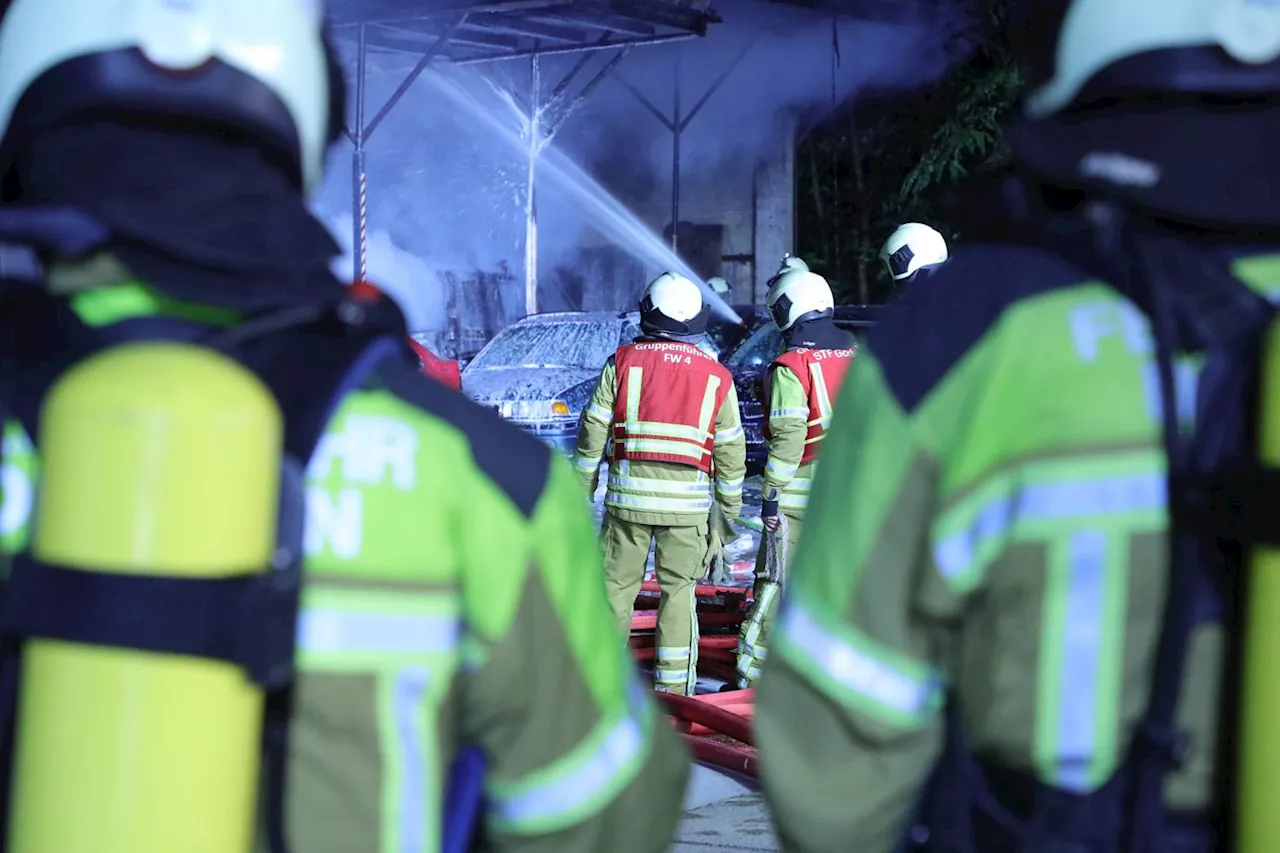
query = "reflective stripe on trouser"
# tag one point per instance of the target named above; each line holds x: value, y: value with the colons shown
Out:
x: 753, y: 637
x: 678, y: 561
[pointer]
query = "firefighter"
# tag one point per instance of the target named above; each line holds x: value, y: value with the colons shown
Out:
x: 911, y: 248
x: 160, y: 157
x: 799, y: 390
x: 991, y: 586
x: 678, y: 446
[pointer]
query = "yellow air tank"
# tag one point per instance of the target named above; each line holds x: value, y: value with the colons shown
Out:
x: 1258, y: 829
x: 162, y: 459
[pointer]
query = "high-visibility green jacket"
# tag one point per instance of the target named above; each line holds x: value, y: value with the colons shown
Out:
x: 990, y: 518
x: 453, y: 596
x: 664, y: 494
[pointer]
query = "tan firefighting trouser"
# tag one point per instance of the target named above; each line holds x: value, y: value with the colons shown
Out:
x: 753, y: 640
x: 678, y: 560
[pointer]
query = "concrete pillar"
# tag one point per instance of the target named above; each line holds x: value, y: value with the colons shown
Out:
x: 775, y: 214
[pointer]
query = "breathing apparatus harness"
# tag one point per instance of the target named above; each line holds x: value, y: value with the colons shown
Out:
x: 310, y: 357
x: 1217, y: 506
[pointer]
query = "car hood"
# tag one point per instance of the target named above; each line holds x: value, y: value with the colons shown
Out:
x: 500, y: 384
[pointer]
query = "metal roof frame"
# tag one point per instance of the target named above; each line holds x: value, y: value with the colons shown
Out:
x: 467, y: 32
x: 495, y: 30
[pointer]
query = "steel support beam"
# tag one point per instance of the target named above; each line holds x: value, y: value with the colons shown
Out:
x: 545, y: 118
x: 359, y: 180
x: 359, y: 136
x: 412, y: 76
x: 534, y: 130
x: 678, y: 122
x: 552, y: 51
x: 439, y: 8
x: 571, y: 107
x: 521, y: 26
x: 599, y: 20
x: 675, y: 152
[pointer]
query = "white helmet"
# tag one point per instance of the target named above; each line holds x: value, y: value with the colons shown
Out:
x: 718, y: 285
x: 795, y: 294
x: 1156, y: 40
x: 673, y: 304
x: 913, y: 247
x: 261, y: 69
x: 791, y: 262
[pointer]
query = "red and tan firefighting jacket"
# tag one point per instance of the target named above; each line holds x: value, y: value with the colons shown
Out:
x: 672, y: 412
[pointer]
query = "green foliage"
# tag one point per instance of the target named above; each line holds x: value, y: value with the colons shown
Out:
x: 889, y: 160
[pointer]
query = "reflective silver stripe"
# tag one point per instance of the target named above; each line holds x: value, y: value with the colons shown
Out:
x: 323, y: 630
x: 781, y: 469
x: 586, y: 463
x: 627, y: 482
x: 410, y: 686
x: 651, y: 429
x: 707, y: 413
x: 657, y: 504
x: 634, y: 376
x: 599, y: 413
x: 788, y: 412
x: 853, y: 668
x: 956, y: 554
x: 671, y: 447
x: 555, y: 800
x: 820, y: 391
x: 790, y: 500
x: 1081, y: 659
x: 729, y: 434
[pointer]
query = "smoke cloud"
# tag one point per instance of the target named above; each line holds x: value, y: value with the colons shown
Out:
x: 445, y: 191
x: 402, y: 275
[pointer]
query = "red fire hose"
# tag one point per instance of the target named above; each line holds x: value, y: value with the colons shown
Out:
x: 739, y: 759
x: 648, y: 620
x: 715, y: 718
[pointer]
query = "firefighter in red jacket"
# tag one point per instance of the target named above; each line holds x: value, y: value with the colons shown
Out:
x: 799, y: 390
x: 678, y: 445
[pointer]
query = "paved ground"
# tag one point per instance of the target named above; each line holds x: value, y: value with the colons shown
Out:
x: 723, y: 814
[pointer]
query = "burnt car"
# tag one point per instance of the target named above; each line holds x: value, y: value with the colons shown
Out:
x: 724, y: 337
x: 753, y: 356
x: 539, y: 372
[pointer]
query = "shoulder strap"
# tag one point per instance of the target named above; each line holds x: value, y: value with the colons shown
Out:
x: 309, y: 362
x: 1192, y: 299
x: 309, y: 369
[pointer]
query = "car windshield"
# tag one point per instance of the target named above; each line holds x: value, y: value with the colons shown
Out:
x: 761, y: 348
x: 569, y: 344
x: 723, y: 336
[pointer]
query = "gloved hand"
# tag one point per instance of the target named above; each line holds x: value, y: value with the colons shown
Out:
x: 714, y: 545
x: 769, y: 515
x: 716, y: 562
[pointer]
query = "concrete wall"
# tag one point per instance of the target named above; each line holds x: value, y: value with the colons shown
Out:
x: 754, y: 205
x: 775, y: 206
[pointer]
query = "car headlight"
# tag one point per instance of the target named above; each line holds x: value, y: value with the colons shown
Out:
x: 533, y: 410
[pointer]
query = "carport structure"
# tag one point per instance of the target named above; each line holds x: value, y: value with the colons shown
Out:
x: 469, y: 32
